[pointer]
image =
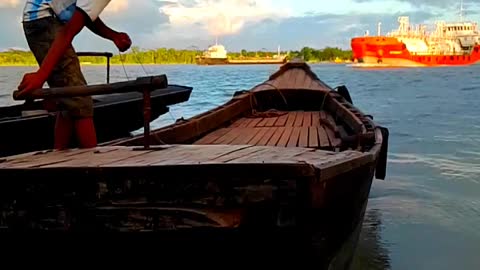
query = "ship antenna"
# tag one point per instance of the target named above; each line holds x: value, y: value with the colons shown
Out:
x: 461, y: 10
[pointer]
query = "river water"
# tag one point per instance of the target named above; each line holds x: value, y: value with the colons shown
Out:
x: 426, y: 214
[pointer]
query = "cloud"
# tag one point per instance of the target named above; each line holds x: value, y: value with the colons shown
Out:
x: 117, y: 6
x: 219, y: 17
x: 241, y: 24
x: 9, y: 3
x: 11, y: 32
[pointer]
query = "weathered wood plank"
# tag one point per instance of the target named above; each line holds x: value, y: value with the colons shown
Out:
x: 147, y: 83
x: 307, y: 119
x: 293, y: 140
x: 285, y: 137
x: 291, y: 119
x: 298, y: 119
x: 98, y: 158
x: 238, y: 122
x: 282, y: 120
x: 147, y: 158
x: 312, y: 137
x: 276, y: 136
x: 266, y: 137
x: 236, y: 154
x: 323, y: 137
x: 334, y: 141
x: 299, y: 82
x: 263, y: 122
x: 277, y: 154
x: 46, y: 158
x: 211, y: 137
x: 303, y: 140
x: 196, y: 155
x: 229, y: 136
x: 289, y: 81
x: 247, y: 135
x: 254, y: 122
x: 316, y: 119
x: 246, y: 122
x: 271, y: 121
x: 258, y: 136
x: 341, y: 111
x: 327, y: 120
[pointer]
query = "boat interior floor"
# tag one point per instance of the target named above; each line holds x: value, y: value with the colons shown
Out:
x: 313, y: 129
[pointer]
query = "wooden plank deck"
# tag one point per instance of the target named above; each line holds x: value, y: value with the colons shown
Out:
x: 293, y: 129
x: 168, y: 155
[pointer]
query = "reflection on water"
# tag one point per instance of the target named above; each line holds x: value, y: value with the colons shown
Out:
x: 372, y: 252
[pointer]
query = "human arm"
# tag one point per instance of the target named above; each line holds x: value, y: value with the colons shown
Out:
x: 86, y: 13
x: 121, y: 40
x: 63, y: 40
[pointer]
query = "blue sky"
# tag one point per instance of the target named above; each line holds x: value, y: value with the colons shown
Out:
x: 244, y: 24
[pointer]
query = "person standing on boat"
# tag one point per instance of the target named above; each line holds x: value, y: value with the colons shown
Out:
x: 50, y: 27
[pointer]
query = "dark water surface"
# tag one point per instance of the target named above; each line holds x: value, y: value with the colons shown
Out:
x: 426, y: 214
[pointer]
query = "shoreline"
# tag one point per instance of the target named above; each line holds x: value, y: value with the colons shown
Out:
x: 88, y: 64
x: 149, y: 64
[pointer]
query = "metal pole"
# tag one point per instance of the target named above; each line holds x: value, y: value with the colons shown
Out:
x: 108, y: 69
x: 146, y: 118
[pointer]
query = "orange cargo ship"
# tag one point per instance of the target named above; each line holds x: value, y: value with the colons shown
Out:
x: 450, y: 44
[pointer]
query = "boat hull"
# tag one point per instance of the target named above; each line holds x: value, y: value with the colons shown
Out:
x: 204, y: 61
x: 300, y: 217
x: 115, y: 116
x: 285, y: 169
x: 388, y: 51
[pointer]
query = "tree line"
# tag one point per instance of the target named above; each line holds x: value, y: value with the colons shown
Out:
x: 175, y: 56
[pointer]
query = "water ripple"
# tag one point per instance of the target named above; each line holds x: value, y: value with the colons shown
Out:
x: 456, y: 169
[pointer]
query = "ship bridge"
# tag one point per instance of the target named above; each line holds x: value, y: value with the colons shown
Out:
x: 216, y: 51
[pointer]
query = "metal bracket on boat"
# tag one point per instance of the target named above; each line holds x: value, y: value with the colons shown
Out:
x: 343, y: 91
x: 381, y: 169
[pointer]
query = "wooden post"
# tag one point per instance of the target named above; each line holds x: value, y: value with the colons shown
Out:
x: 147, y: 107
x: 108, y: 69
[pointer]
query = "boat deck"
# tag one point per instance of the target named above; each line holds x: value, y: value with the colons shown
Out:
x: 173, y: 155
x: 283, y: 129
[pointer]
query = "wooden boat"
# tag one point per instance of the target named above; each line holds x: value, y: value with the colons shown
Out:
x: 284, y: 168
x: 115, y: 116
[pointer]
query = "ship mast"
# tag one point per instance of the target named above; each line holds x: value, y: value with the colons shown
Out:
x: 461, y: 10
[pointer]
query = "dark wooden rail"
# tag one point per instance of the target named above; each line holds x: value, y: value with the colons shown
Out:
x: 108, y: 55
x: 149, y: 83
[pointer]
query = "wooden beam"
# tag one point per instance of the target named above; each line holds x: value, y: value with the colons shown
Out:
x: 149, y: 83
x: 106, y: 54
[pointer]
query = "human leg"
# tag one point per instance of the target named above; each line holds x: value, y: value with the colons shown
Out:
x: 78, y: 111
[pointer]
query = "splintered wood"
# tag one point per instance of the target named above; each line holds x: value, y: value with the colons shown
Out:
x: 292, y: 129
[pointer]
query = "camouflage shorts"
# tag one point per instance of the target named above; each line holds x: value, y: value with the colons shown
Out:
x: 40, y: 35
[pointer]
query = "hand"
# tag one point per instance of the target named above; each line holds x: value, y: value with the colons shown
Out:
x: 122, y: 41
x: 30, y: 82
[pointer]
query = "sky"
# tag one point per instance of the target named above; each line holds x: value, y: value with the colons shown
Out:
x: 244, y: 24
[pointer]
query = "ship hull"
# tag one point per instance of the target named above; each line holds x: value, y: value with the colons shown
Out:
x: 222, y: 61
x: 388, y: 51
x: 211, y: 61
